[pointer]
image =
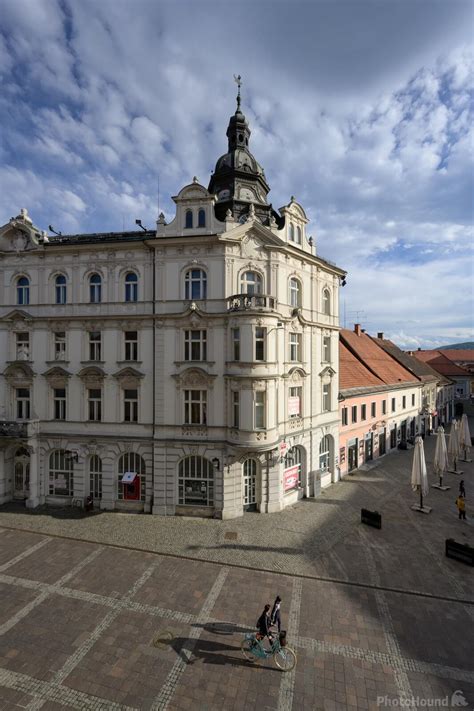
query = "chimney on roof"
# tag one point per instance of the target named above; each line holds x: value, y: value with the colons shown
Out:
x: 357, y: 329
x: 419, y: 349
x: 380, y: 335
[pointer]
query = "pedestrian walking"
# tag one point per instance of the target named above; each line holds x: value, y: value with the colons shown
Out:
x: 263, y: 624
x: 461, y: 504
x: 462, y: 490
x: 276, y: 613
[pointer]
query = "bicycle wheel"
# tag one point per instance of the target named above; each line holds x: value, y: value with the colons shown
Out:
x: 246, y: 647
x: 285, y: 659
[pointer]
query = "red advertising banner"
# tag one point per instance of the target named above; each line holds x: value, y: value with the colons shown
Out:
x: 293, y: 406
x: 290, y: 477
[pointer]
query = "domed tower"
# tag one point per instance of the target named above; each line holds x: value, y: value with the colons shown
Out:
x: 239, y: 180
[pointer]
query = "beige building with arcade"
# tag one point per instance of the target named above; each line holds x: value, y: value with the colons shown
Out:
x: 192, y: 369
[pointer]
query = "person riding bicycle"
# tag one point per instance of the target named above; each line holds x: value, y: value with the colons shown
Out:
x: 263, y: 626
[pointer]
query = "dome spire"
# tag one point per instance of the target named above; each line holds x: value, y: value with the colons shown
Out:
x: 238, y: 81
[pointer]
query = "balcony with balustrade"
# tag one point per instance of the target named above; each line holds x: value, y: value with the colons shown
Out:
x: 251, y: 302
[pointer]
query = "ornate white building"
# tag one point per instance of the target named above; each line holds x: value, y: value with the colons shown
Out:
x: 192, y: 369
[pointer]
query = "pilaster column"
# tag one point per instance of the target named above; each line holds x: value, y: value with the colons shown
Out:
x: 33, y: 499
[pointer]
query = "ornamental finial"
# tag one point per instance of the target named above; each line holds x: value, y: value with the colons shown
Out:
x: 238, y: 81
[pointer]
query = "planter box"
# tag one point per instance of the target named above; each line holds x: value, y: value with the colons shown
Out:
x: 371, y: 518
x: 459, y: 551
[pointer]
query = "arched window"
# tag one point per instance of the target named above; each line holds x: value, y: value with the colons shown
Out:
x: 95, y: 288
x: 292, y: 232
x: 61, y: 473
x: 201, y: 218
x: 95, y: 476
x: 251, y: 283
x: 326, y: 301
x: 23, y: 291
x: 324, y: 453
x: 298, y: 235
x: 60, y: 289
x: 189, y: 219
x: 131, y: 287
x: 196, y: 482
x: 195, y: 284
x: 295, y: 292
x: 131, y: 464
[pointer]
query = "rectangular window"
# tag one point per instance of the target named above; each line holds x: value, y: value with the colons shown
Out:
x: 295, y: 347
x: 326, y: 349
x: 235, y: 408
x: 23, y: 403
x: 354, y: 413
x: 259, y: 410
x: 294, y: 402
x: 384, y: 407
x: 373, y: 409
x: 326, y: 397
x: 345, y: 418
x: 236, y: 344
x: 23, y: 346
x: 413, y: 401
x: 363, y: 412
x: 94, y: 404
x: 195, y: 407
x: 59, y: 398
x: 130, y: 405
x: 95, y: 345
x: 195, y: 345
x: 393, y: 404
x: 260, y: 334
x: 60, y: 345
x: 131, y: 345
x: 404, y: 401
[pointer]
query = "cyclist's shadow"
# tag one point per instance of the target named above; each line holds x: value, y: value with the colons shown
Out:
x: 209, y: 652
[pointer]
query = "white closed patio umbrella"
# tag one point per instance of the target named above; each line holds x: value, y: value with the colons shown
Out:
x: 419, y: 476
x: 440, y: 463
x: 453, y: 446
x: 465, y: 436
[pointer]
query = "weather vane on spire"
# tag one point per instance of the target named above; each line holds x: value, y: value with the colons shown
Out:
x: 238, y: 81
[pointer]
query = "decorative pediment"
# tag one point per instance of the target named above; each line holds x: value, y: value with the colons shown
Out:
x: 92, y: 375
x: 194, y: 377
x: 56, y: 374
x: 327, y: 374
x: 296, y: 375
x: 258, y: 233
x: 129, y: 377
x: 20, y: 235
x: 19, y: 374
x: 18, y: 320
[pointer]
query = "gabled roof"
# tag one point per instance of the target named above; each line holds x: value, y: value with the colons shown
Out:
x: 422, y: 371
x: 440, y: 363
x: 353, y: 373
x: 460, y: 355
x: 380, y: 363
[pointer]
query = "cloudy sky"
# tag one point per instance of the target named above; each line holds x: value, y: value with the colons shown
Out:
x: 361, y: 109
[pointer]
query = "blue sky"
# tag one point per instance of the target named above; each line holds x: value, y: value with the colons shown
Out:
x: 362, y: 110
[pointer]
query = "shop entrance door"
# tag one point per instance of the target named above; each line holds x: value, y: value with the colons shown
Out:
x: 369, y: 447
x: 352, y: 457
x: 131, y: 491
x: 21, y: 485
x: 382, y: 443
x: 250, y: 485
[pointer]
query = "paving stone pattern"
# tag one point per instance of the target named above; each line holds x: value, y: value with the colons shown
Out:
x: 374, y: 616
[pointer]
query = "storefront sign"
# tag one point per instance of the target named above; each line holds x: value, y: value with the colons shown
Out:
x: 128, y: 477
x: 291, y: 477
x: 293, y: 406
x: 283, y: 448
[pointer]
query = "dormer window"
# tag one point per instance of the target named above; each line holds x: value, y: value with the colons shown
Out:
x: 189, y: 220
x: 23, y: 291
x: 201, y: 218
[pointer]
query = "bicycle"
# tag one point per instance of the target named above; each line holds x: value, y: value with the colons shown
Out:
x: 283, y: 656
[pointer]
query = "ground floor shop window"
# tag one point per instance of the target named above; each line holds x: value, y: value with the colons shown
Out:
x: 393, y: 438
x: 196, y: 482
x: 293, y: 467
x: 132, y: 470
x: 61, y: 474
x: 324, y: 450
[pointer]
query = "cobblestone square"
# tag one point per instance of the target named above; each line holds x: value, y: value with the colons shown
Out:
x: 140, y: 612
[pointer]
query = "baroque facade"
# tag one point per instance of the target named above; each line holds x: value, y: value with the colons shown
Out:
x: 192, y: 369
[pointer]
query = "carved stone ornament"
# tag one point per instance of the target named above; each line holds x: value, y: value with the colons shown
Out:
x: 57, y: 376
x: 194, y: 377
x: 19, y: 375
x: 129, y: 377
x: 92, y: 375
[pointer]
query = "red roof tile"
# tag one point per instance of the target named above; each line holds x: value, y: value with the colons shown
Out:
x: 460, y: 355
x: 376, y: 359
x: 352, y: 373
x: 440, y: 362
